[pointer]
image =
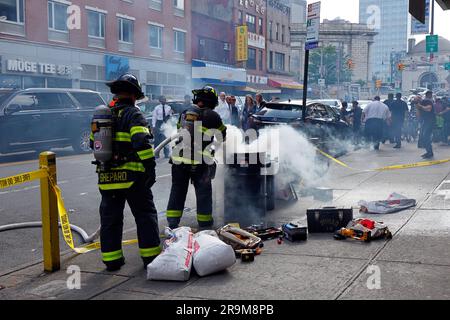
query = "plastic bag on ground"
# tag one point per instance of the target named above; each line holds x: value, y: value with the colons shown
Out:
x: 175, y: 263
x: 395, y: 203
x: 211, y: 254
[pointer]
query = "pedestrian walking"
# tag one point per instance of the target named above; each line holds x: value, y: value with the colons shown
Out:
x: 388, y: 132
x: 356, y: 121
x: 235, y: 117
x: 344, y: 112
x: 247, y: 112
x: 399, y: 112
x: 375, y: 115
x: 446, y: 115
x: 195, y: 162
x: 128, y: 177
x: 259, y: 102
x: 223, y: 109
x: 161, y: 115
x: 428, y: 116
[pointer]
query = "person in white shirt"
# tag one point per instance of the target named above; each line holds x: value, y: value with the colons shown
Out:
x: 223, y: 109
x: 375, y: 115
x: 161, y: 115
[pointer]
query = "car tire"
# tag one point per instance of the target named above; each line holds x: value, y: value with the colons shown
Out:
x: 81, y: 143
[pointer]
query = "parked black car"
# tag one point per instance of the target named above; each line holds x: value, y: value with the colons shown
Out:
x: 321, y: 120
x: 40, y: 119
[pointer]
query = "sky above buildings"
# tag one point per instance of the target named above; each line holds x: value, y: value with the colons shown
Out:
x: 349, y: 10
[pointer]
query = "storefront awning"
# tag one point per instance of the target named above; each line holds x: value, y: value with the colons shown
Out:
x: 218, y: 74
x: 266, y: 90
x: 284, y: 84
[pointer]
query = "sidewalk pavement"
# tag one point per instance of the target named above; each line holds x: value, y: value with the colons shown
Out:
x: 415, y: 264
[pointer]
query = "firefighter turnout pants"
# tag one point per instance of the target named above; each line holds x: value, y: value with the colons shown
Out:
x: 201, y: 177
x: 140, y: 200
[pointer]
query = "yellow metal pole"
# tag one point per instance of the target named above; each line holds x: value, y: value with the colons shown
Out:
x: 50, y: 231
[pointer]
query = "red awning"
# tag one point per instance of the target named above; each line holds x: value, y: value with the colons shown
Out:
x: 284, y: 83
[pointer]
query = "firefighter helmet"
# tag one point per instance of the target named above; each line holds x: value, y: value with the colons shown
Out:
x: 207, y: 95
x: 127, y: 83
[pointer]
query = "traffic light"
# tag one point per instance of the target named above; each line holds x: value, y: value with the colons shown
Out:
x: 378, y: 84
x: 445, y: 4
x: 417, y: 9
x: 401, y: 67
x: 350, y: 64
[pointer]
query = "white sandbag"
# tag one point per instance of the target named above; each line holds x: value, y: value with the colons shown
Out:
x: 212, y: 255
x: 395, y: 203
x: 175, y: 262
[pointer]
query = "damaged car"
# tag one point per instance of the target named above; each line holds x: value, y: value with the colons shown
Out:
x: 321, y: 121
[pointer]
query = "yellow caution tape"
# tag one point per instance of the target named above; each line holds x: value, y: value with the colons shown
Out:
x: 65, y: 226
x: 22, y: 178
x: 388, y: 168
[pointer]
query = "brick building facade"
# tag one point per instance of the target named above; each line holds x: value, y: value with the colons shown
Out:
x: 151, y: 38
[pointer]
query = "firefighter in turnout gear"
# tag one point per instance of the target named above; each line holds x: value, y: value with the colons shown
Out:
x: 192, y: 159
x: 127, y: 177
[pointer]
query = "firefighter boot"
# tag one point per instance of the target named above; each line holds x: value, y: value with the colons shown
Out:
x: 114, y: 265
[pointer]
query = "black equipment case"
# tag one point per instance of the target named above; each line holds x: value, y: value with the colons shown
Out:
x: 328, y: 219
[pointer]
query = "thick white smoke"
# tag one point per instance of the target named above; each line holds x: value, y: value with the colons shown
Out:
x: 296, y: 155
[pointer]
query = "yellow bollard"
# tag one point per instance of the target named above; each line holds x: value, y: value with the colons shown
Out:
x: 49, y: 205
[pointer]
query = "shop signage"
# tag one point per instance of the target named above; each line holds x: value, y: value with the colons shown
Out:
x: 256, y: 79
x: 19, y: 65
x: 256, y: 40
x: 242, y: 43
x: 115, y: 66
x: 259, y: 5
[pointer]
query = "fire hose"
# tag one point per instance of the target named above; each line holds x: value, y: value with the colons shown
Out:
x: 84, y: 235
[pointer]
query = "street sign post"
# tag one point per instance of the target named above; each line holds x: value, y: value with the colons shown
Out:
x: 312, y: 42
x: 313, y: 26
x: 432, y: 43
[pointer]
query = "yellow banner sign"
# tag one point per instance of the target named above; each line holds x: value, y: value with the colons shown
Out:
x: 242, y: 43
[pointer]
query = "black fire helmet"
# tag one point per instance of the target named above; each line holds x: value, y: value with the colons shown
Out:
x: 208, y: 95
x: 127, y: 83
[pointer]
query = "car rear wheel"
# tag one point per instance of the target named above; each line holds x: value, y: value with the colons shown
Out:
x: 81, y: 143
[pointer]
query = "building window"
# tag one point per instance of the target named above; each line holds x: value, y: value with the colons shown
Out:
x: 12, y: 10
x: 156, y: 33
x: 283, y: 30
x: 270, y: 30
x: 251, y: 22
x: 125, y: 30
x: 251, y: 62
x: 214, y: 50
x: 277, y: 32
x: 279, y: 61
x: 240, y: 17
x: 179, y: 38
x: 96, y: 24
x: 260, y: 24
x: 271, y: 60
x: 178, y: 6
x: 155, y: 4
x: 57, y: 16
x: 261, y: 60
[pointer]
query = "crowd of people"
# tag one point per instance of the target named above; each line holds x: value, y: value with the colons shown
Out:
x: 230, y: 113
x: 428, y: 119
